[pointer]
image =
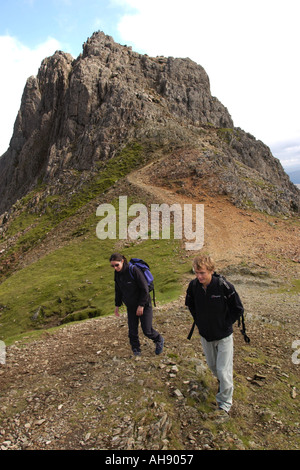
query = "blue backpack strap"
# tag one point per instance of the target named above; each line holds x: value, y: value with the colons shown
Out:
x: 130, y: 265
x: 143, y: 266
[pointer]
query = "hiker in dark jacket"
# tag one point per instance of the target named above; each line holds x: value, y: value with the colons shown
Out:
x: 134, y: 293
x: 215, y: 307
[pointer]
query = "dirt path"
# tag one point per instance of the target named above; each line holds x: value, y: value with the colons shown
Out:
x: 232, y: 235
x: 80, y: 388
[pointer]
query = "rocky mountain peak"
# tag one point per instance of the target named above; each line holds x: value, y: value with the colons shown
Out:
x: 79, y: 112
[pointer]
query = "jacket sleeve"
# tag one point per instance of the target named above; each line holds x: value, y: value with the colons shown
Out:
x: 234, y: 303
x: 190, y: 300
x: 142, y: 286
x: 118, y: 294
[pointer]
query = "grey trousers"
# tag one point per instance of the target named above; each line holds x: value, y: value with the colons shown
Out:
x: 219, y: 357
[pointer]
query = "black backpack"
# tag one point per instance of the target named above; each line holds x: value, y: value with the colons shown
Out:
x: 241, y: 320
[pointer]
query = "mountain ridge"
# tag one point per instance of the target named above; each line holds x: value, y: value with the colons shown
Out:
x: 79, y: 113
x: 72, y: 384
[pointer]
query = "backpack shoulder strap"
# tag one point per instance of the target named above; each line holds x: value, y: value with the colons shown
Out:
x: 226, y: 290
x: 193, y: 285
x: 130, y: 267
x: 241, y: 320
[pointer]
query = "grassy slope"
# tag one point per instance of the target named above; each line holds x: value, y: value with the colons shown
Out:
x: 75, y: 281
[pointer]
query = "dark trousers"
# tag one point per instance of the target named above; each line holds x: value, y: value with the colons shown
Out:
x: 146, y: 324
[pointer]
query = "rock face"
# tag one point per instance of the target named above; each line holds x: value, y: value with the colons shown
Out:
x: 76, y: 113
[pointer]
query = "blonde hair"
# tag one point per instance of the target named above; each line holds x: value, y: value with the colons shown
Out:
x: 204, y: 261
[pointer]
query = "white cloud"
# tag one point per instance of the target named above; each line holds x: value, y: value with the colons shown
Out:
x: 248, y: 48
x: 288, y: 153
x: 19, y: 63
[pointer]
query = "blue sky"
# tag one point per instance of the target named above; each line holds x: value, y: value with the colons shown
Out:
x: 249, y: 48
x: 70, y: 22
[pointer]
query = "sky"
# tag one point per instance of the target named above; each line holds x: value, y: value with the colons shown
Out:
x: 249, y: 49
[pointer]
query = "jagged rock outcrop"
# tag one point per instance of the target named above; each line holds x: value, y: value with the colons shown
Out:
x: 76, y: 113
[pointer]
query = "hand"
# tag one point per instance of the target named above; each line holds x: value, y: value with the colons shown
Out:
x: 117, y: 312
x: 140, y: 311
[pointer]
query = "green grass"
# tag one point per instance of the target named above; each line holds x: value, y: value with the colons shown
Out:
x: 76, y: 282
x: 293, y: 287
x: 55, y: 209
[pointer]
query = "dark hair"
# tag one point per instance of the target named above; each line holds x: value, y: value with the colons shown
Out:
x: 118, y: 257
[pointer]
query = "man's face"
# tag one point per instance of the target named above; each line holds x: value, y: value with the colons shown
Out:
x: 203, y: 275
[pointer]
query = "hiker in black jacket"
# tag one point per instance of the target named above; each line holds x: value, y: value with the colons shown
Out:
x: 215, y: 306
x: 134, y: 293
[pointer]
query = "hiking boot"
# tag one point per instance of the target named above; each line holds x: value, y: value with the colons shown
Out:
x: 220, y: 416
x: 159, y: 346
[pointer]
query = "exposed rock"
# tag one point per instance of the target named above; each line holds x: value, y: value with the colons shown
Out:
x: 77, y: 113
x: 62, y: 392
